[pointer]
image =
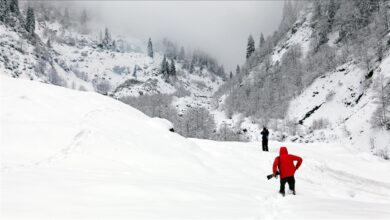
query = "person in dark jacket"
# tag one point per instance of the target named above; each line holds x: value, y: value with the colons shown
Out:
x: 264, y: 133
x: 284, y: 163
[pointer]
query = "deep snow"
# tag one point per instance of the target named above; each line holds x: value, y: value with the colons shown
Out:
x: 68, y: 154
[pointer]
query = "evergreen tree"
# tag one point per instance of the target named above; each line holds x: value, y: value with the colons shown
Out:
x: 192, y: 66
x: 250, y: 47
x: 331, y: 13
x: 261, y: 42
x: 113, y: 46
x: 13, y: 6
x: 30, y: 21
x: 231, y: 75
x: 164, y: 69
x: 4, y: 10
x: 172, y: 69
x: 221, y: 72
x: 83, y: 22
x: 66, y: 19
x: 238, y: 70
x: 106, y: 42
x: 135, y: 71
x: 150, y: 48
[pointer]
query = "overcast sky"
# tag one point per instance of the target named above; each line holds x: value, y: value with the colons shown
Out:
x: 221, y: 28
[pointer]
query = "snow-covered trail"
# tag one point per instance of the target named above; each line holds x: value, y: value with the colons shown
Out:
x: 333, y: 181
x: 72, y: 155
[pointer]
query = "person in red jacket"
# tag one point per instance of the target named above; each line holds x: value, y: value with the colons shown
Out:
x: 284, y: 163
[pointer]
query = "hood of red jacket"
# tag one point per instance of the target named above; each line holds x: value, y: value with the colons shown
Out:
x: 283, y: 151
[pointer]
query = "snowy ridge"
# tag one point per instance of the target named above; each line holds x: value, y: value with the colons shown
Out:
x: 73, y: 151
x: 299, y: 34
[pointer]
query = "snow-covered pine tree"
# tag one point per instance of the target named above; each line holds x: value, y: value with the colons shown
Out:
x: 172, y: 68
x: 150, y: 48
x: 250, y: 47
x: 106, y: 42
x: 221, y: 72
x: 113, y: 46
x: 4, y: 10
x: 13, y: 6
x: 83, y: 22
x: 30, y: 21
x: 65, y: 21
x: 192, y: 66
x: 164, y: 69
x: 238, y: 70
x: 135, y: 71
x: 231, y: 75
x: 261, y: 42
x: 331, y: 13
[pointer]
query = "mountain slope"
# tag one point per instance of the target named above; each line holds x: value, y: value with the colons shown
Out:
x: 68, y: 154
x: 345, y: 103
x: 317, y: 78
x: 78, y: 61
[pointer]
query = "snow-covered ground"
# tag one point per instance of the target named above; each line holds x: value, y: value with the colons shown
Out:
x: 68, y: 154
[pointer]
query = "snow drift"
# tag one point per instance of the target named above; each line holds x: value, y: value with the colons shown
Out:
x: 68, y: 154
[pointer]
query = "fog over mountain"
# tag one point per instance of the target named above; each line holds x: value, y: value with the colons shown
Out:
x: 219, y: 27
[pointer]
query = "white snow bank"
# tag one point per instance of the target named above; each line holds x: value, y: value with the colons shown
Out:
x: 78, y: 155
x: 162, y: 123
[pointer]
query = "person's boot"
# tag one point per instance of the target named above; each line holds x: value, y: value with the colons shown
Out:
x: 293, y: 192
x: 283, y: 193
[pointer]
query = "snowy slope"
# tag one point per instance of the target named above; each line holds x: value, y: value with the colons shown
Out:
x: 80, y: 64
x: 68, y: 154
x: 344, y: 98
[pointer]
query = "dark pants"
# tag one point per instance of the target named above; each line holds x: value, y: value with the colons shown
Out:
x: 291, y: 184
x: 265, y: 145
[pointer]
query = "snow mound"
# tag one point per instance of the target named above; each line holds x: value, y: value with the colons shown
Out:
x: 162, y: 123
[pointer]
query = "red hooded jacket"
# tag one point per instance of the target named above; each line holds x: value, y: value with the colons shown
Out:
x: 285, y: 163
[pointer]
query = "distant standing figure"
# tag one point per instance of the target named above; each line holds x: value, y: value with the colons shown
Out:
x: 264, y: 133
